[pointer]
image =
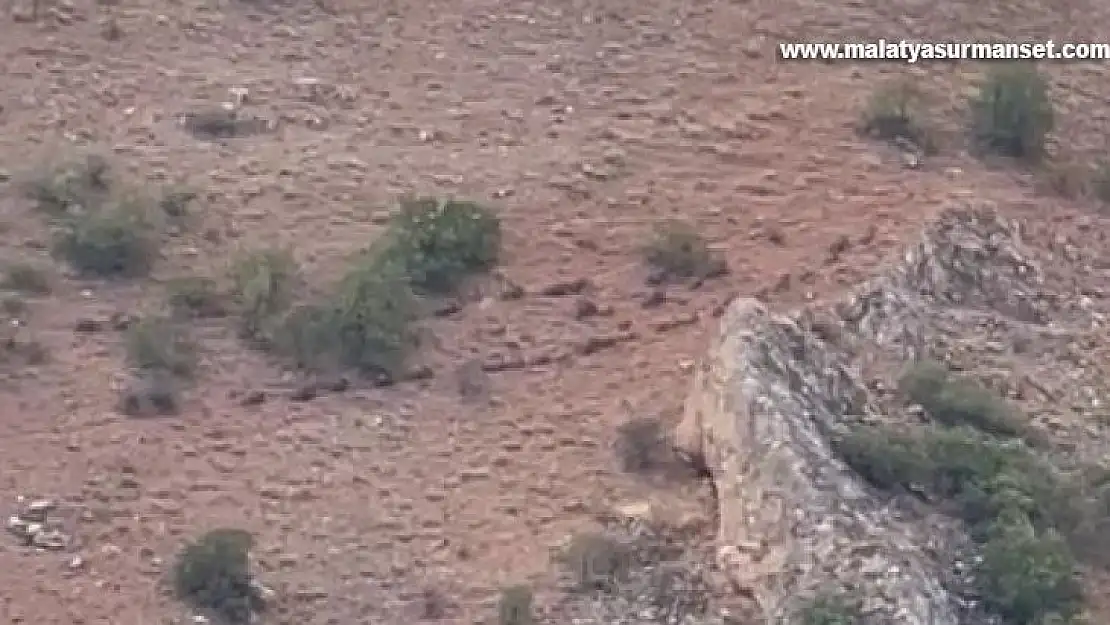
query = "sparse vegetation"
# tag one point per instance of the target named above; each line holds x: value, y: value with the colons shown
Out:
x: 894, y: 113
x: 196, y: 296
x: 954, y: 400
x: 158, y: 344
x: 1012, y: 114
x: 264, y: 283
x: 370, y: 317
x: 678, y: 251
x: 81, y: 185
x: 439, y: 242
x: 114, y: 241
x: 597, y: 561
x: 213, y: 574
x: 997, y: 487
x: 515, y: 606
x: 150, y: 393
x: 831, y: 608
x: 26, y: 278
x: 641, y: 444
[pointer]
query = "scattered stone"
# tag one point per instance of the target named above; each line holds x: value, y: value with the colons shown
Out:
x: 305, y: 392
x: 150, y: 394
x: 87, y: 326
x: 253, y: 398
x: 584, y: 308
x: 565, y: 288
x: 684, y: 319
x: 33, y: 526
x: 654, y: 298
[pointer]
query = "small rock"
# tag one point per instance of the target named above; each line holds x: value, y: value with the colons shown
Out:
x: 584, y: 308
x: 87, y: 326
x: 565, y: 288
x: 253, y: 398
x: 305, y: 392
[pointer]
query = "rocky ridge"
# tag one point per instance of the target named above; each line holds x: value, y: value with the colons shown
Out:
x: 794, y: 521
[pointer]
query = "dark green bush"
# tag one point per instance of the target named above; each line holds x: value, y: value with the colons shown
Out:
x: 1014, y: 503
x: 438, y: 242
x: 957, y: 401
x: 263, y: 285
x: 1026, y: 575
x: 114, y: 241
x: 371, y: 317
x: 1012, y: 114
x: 894, y: 112
x: 213, y: 573
x: 158, y: 344
x: 677, y: 250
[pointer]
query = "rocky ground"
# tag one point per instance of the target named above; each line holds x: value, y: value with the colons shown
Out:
x: 584, y: 123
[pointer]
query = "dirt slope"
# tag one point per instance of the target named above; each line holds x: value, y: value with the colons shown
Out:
x: 585, y: 122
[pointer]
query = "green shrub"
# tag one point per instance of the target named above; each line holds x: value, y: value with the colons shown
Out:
x: 158, y: 344
x: 1015, y: 504
x: 196, y: 297
x: 438, y: 242
x: 1028, y: 576
x: 370, y: 317
x: 1012, y: 114
x: 958, y: 401
x: 515, y: 606
x: 26, y: 278
x: 597, y: 561
x: 213, y: 573
x: 83, y: 184
x: 114, y: 241
x: 894, y: 113
x: 677, y: 250
x: 831, y: 608
x: 263, y: 286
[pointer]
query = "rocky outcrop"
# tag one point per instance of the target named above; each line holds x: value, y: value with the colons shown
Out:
x: 793, y: 519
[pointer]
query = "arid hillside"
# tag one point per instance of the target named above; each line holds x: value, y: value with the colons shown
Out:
x: 248, y: 126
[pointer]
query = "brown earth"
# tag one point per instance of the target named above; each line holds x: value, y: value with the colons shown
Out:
x: 586, y: 123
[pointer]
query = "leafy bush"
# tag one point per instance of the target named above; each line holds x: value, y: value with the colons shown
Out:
x: 831, y: 608
x: 1012, y: 114
x: 370, y: 317
x: 958, y: 401
x: 677, y: 250
x: 26, y: 278
x: 597, y: 561
x: 894, y: 113
x: 263, y: 286
x: 1015, y: 504
x: 515, y: 606
x: 196, y: 296
x: 113, y: 241
x: 158, y: 344
x: 1027, y: 575
x: 439, y: 242
x: 213, y: 573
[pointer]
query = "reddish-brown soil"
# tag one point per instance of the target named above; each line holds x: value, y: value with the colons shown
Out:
x: 586, y: 123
